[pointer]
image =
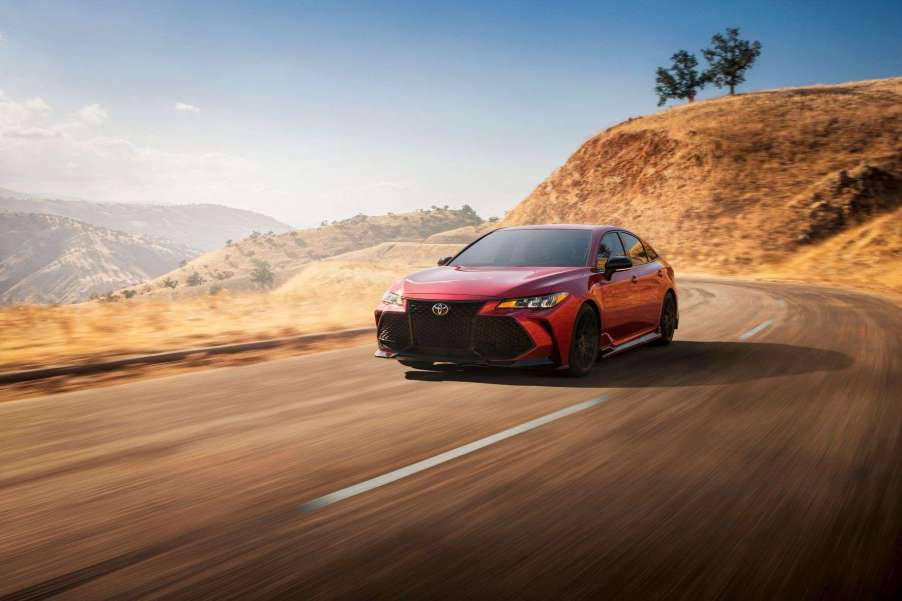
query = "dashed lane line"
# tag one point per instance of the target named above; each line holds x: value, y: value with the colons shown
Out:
x: 414, y: 468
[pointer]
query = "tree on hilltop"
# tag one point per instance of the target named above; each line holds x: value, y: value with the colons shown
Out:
x: 681, y: 81
x: 729, y: 57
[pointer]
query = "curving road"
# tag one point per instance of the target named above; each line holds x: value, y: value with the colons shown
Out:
x: 759, y: 456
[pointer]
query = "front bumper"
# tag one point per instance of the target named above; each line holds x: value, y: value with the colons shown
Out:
x: 470, y: 333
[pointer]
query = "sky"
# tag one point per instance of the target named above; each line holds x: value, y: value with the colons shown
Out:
x: 311, y: 111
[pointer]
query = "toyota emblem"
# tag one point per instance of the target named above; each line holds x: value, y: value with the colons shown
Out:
x: 440, y: 309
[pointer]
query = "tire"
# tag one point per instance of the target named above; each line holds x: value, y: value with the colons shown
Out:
x: 417, y: 364
x: 583, y: 343
x: 667, y: 322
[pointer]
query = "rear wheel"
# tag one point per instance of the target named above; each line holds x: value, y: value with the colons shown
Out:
x: 667, y: 323
x: 583, y: 343
x: 416, y: 364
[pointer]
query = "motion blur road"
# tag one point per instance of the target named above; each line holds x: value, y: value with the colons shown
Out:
x: 758, y: 456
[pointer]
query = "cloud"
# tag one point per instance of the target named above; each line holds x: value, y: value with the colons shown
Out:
x: 40, y: 151
x: 93, y: 114
x: 184, y: 107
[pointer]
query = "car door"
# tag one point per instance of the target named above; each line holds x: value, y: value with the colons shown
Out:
x: 644, y: 278
x: 614, y: 296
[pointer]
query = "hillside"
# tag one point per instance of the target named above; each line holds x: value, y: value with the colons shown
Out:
x: 53, y: 259
x: 230, y: 267
x: 745, y: 184
x: 200, y: 226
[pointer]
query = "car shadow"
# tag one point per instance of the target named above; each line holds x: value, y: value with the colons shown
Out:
x: 682, y: 363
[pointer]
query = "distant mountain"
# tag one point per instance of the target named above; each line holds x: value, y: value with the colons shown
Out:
x: 201, y: 226
x: 53, y: 259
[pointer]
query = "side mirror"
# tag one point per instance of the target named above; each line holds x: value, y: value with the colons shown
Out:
x: 444, y: 260
x: 617, y: 263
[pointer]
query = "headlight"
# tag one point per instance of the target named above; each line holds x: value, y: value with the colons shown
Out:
x: 534, y: 302
x: 392, y: 298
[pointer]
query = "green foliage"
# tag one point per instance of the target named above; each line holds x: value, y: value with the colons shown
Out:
x: 681, y: 81
x: 262, y: 274
x: 195, y: 279
x: 729, y: 57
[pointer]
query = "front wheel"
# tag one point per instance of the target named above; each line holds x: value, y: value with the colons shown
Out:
x: 583, y: 343
x: 667, y: 323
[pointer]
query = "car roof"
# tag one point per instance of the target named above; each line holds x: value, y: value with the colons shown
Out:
x: 564, y: 226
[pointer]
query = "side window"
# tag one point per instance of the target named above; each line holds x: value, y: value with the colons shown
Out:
x: 652, y: 255
x: 634, y: 249
x: 610, y: 247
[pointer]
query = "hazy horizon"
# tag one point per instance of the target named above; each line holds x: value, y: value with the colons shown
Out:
x: 309, y: 113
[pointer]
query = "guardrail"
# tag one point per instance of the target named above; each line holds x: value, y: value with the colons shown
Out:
x: 168, y: 356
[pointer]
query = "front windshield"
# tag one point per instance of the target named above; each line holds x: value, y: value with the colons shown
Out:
x: 528, y: 248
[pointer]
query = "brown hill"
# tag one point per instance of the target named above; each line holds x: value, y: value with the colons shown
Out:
x: 286, y: 254
x: 52, y: 259
x: 741, y: 184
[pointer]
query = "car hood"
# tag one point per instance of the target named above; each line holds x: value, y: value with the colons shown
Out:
x: 455, y: 282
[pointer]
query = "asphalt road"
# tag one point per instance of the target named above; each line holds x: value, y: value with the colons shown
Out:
x: 759, y: 456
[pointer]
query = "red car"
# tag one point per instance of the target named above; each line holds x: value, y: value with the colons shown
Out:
x: 539, y: 295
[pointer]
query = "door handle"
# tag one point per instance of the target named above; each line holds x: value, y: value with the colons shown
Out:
x: 634, y: 279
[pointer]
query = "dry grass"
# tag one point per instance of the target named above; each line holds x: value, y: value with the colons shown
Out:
x: 867, y: 256
x: 326, y: 295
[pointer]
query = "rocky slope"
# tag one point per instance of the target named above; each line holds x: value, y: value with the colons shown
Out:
x: 201, y: 226
x: 742, y: 184
x: 53, y: 259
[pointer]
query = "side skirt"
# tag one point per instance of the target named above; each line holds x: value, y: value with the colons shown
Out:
x: 650, y: 337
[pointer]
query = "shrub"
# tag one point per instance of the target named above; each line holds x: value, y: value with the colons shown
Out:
x: 128, y: 293
x: 195, y: 279
x: 215, y: 289
x: 262, y: 275
x: 169, y: 283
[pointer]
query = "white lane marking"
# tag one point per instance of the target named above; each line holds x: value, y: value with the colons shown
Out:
x: 756, y: 329
x: 431, y: 462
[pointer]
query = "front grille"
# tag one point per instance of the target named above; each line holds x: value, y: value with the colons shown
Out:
x: 393, y: 331
x: 451, y: 332
x: 500, y: 338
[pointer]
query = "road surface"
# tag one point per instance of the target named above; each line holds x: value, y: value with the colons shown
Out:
x: 758, y: 456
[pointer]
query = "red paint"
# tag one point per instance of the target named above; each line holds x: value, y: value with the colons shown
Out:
x: 629, y: 303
